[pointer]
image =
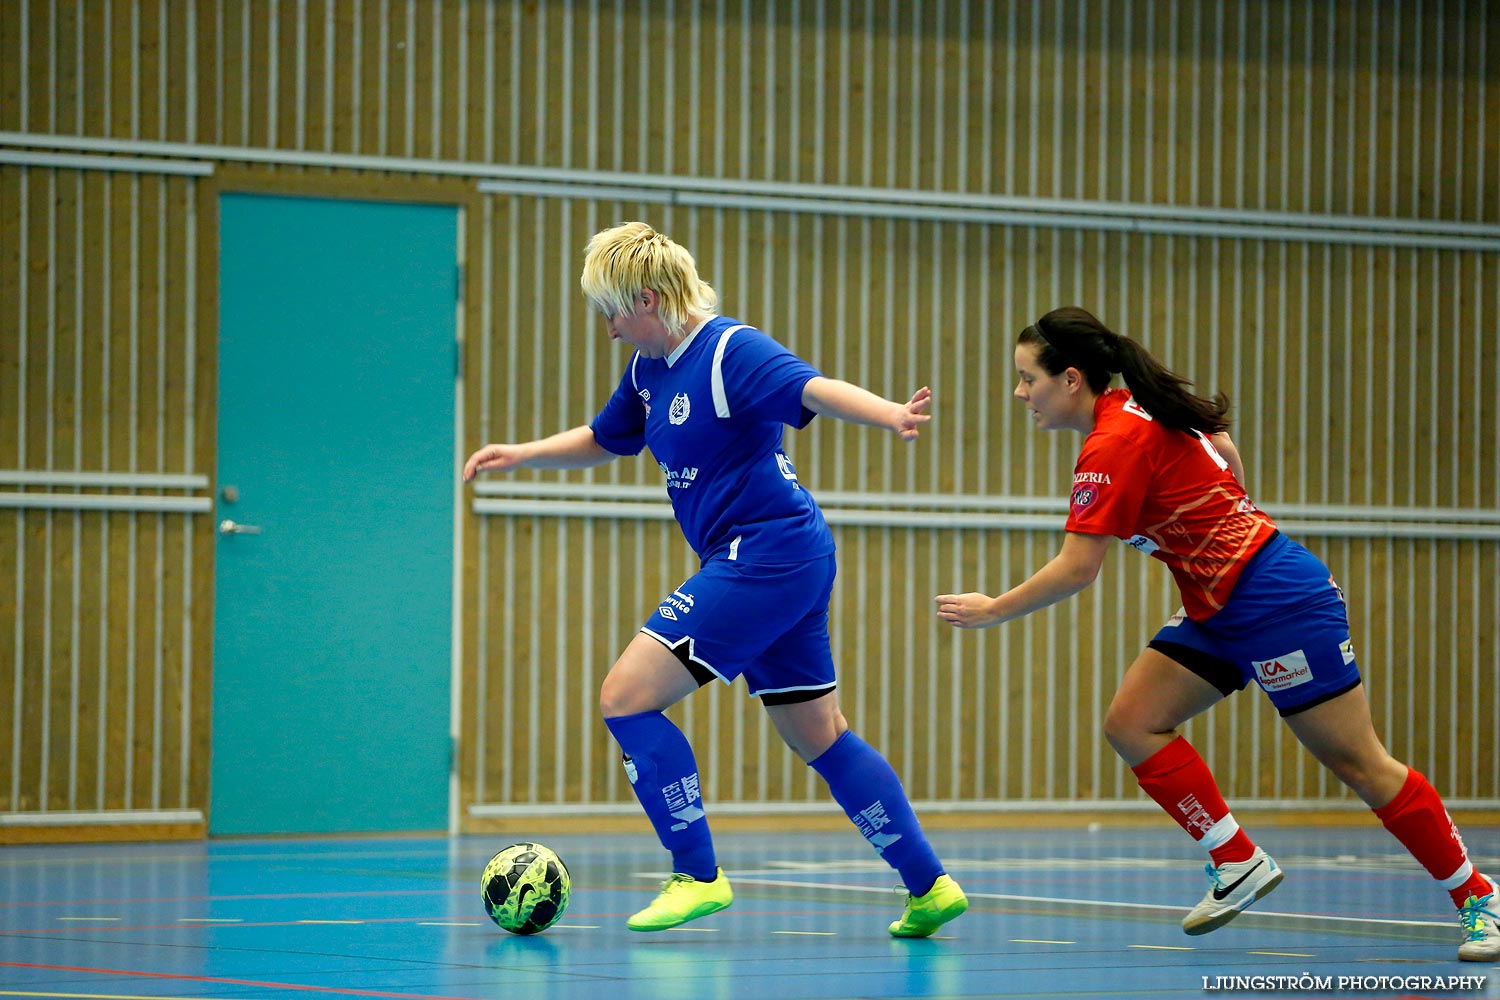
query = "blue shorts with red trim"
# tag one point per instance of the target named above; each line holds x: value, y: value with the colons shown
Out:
x: 767, y: 622
x: 1285, y: 627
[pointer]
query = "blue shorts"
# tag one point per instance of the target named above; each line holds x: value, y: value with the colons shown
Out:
x: 768, y: 622
x: 1285, y: 627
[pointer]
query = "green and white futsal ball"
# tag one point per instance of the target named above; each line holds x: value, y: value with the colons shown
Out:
x: 526, y: 888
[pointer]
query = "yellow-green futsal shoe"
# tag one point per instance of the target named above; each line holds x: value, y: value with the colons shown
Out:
x: 683, y: 898
x: 925, y: 914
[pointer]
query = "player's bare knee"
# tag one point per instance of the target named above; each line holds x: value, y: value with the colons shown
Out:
x: 617, y: 698
x: 1361, y: 780
x: 1123, y: 730
x: 809, y: 728
x: 812, y: 743
x: 1374, y: 777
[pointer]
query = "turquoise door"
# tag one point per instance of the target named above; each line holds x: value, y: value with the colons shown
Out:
x: 333, y: 583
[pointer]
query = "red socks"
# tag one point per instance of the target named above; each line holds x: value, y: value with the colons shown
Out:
x: 1416, y: 817
x: 1176, y: 777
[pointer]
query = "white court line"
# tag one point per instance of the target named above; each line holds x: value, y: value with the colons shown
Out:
x: 1402, y: 864
x: 1103, y: 904
x: 210, y: 920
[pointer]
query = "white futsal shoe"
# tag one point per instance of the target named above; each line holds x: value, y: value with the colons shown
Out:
x: 1480, y: 917
x: 1236, y: 885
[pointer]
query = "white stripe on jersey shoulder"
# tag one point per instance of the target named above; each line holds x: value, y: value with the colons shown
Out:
x: 634, y: 382
x: 721, y: 401
x: 671, y: 359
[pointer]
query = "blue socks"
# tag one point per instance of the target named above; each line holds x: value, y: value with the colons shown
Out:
x: 664, y: 774
x: 864, y: 784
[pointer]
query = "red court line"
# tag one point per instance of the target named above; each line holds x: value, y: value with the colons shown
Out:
x: 249, y: 895
x: 230, y: 982
x: 193, y: 925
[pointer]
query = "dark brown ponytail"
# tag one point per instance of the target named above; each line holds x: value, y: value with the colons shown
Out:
x: 1071, y: 337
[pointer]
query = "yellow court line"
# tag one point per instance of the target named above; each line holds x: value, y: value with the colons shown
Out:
x: 1160, y: 947
x: 576, y: 927
x: 330, y: 921
x: 697, y: 930
x: 1038, y: 941
x: 809, y: 933
x: 449, y: 923
x: 1285, y: 954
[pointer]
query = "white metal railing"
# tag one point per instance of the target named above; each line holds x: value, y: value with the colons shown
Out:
x: 64, y: 479
x: 908, y: 510
x: 115, y: 480
x: 502, y: 810
x: 828, y: 199
x: 76, y: 817
x: 100, y: 501
x: 125, y: 164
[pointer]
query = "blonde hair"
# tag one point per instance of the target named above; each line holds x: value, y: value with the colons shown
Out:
x: 619, y: 263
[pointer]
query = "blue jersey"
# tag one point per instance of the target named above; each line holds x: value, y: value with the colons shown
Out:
x: 712, y: 413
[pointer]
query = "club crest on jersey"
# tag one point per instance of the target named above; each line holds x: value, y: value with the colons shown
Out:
x: 1282, y: 672
x: 680, y: 409
x: 1086, y: 487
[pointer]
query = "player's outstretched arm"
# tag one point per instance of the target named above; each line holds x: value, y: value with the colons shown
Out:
x: 1231, y: 454
x: 1068, y: 572
x: 571, y: 449
x: 835, y: 398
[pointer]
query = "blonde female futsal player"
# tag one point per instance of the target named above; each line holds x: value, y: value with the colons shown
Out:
x: 711, y: 397
x: 1158, y: 470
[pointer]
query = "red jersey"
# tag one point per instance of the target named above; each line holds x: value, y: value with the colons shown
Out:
x: 1169, y: 494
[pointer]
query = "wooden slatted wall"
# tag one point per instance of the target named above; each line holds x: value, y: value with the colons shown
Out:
x: 932, y: 177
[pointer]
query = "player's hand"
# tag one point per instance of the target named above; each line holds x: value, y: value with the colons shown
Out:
x: 970, y: 610
x: 492, y: 458
x: 911, y: 417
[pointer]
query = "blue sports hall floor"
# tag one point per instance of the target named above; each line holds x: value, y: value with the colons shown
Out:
x: 1053, y: 913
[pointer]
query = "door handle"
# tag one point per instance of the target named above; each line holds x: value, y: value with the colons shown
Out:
x: 228, y: 527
